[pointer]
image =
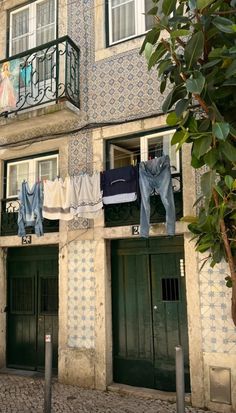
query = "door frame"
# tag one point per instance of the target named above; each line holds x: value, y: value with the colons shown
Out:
x: 51, y: 250
x: 179, y: 245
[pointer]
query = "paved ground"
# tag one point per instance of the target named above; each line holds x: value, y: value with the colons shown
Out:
x: 25, y: 395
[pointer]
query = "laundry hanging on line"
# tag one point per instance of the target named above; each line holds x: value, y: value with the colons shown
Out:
x: 120, y: 185
x: 84, y: 195
x: 155, y: 175
x: 57, y: 199
x: 30, y: 209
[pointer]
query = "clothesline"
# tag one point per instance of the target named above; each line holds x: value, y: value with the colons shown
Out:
x: 84, y: 195
x: 86, y: 162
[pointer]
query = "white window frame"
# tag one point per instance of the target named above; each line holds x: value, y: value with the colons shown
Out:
x: 144, y: 146
x: 32, y: 23
x: 120, y: 149
x: 32, y: 170
x: 140, y: 23
x: 144, y: 140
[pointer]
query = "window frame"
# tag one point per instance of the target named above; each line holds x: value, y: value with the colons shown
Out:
x: 33, y: 161
x: 140, y: 23
x: 32, y: 33
x: 143, y: 138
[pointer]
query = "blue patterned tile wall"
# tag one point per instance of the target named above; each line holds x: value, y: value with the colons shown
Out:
x: 80, y: 161
x: 81, y: 294
x: 80, y: 153
x: 116, y: 88
x: 218, y: 331
x: 122, y: 88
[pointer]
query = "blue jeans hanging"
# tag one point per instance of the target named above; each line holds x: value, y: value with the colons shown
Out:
x: 156, y: 175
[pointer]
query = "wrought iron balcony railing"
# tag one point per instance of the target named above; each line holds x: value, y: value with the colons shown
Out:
x: 129, y: 213
x: 9, y: 218
x: 47, y: 73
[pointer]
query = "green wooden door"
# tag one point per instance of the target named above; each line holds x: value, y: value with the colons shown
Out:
x: 169, y: 311
x: 149, y: 312
x: 32, y: 305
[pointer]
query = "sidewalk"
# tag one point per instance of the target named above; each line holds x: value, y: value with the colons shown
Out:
x: 25, y: 395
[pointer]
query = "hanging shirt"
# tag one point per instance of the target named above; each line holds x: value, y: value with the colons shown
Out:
x: 30, y: 210
x: 86, y: 195
x: 57, y: 196
x: 120, y: 185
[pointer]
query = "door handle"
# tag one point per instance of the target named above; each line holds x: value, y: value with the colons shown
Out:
x: 155, y: 307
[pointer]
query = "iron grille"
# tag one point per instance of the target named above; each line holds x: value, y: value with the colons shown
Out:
x: 170, y: 289
x: 9, y: 218
x: 44, y: 74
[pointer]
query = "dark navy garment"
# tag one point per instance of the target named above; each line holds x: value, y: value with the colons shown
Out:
x: 120, y: 185
x: 156, y: 175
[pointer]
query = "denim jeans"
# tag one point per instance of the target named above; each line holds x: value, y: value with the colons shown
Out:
x: 156, y: 175
x: 30, y: 210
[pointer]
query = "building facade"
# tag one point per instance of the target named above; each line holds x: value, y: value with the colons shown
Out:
x: 76, y: 97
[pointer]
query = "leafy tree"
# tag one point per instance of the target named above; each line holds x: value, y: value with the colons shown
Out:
x: 192, y: 44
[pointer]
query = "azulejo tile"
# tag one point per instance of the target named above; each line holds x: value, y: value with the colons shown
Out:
x: 81, y: 294
x: 217, y: 325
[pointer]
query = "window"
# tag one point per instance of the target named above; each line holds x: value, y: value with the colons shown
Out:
x: 130, y: 151
x: 128, y: 18
x: 170, y: 289
x: 32, y: 25
x: 31, y: 170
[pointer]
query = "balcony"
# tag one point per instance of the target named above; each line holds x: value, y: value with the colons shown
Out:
x: 129, y: 213
x: 47, y: 73
x: 9, y: 217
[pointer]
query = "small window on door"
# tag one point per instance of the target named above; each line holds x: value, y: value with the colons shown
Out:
x: 48, y: 295
x: 170, y: 289
x: 30, y: 170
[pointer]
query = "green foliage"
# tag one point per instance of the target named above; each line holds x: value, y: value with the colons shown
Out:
x: 198, y: 63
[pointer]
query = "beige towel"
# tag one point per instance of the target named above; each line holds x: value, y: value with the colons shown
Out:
x: 57, y: 196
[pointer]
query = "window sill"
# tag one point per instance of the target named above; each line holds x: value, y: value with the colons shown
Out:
x: 118, y: 48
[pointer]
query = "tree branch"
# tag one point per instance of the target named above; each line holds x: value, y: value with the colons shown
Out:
x: 219, y: 13
x: 181, y: 43
x: 225, y: 239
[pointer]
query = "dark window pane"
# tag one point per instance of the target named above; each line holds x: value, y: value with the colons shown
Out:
x: 22, y: 295
x: 170, y: 289
x: 49, y: 295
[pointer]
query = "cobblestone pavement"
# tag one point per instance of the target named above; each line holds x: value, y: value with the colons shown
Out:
x: 25, y: 395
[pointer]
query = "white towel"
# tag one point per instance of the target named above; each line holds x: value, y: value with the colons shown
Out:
x: 57, y: 197
x: 86, y: 195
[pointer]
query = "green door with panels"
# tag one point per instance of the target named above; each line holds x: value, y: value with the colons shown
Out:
x: 32, y: 309
x: 149, y: 311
